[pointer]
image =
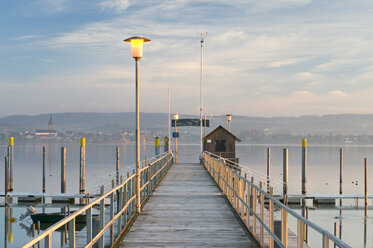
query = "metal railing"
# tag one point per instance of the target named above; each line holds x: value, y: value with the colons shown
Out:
x: 122, y: 209
x: 246, y: 197
x: 275, y: 183
x: 95, y: 187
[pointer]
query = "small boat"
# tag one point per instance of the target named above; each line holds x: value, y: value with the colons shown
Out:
x: 55, y: 217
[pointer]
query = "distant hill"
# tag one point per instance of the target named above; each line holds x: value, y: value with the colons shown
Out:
x: 113, y: 122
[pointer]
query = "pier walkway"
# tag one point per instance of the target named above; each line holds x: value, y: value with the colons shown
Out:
x: 187, y: 210
x: 212, y: 204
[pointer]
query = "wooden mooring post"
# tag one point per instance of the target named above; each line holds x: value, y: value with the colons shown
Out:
x: 82, y: 170
x: 285, y: 175
x: 365, y: 187
x: 340, y: 174
x: 44, y: 180
x: 117, y: 164
x: 7, y: 178
x: 268, y: 168
x: 304, y: 186
x: 63, y: 169
x: 10, y: 157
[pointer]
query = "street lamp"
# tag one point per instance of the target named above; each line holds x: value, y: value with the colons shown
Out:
x: 229, y: 117
x: 137, y: 45
x: 176, y: 117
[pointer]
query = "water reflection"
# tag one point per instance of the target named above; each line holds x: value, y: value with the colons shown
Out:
x: 8, y: 225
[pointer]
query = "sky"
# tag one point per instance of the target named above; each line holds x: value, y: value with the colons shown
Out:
x: 261, y: 57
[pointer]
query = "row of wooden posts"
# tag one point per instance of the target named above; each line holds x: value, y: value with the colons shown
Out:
x: 304, y: 176
x: 9, y: 168
x: 82, y: 190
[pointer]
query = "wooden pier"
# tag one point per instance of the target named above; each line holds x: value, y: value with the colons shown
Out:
x: 186, y: 205
x: 187, y: 210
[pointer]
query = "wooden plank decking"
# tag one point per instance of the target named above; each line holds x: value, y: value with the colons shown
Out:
x: 187, y: 210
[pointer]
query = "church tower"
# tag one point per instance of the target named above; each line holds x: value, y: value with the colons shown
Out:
x: 50, y: 123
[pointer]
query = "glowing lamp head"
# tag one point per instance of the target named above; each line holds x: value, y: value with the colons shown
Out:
x: 229, y: 117
x: 176, y: 116
x: 137, y: 45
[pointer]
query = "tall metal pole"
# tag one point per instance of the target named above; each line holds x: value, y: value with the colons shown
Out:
x: 169, y: 121
x: 201, y: 101
x: 138, y: 200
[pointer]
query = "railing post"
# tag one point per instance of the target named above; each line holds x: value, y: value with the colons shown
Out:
x: 120, y: 206
x: 300, y: 234
x: 48, y: 241
x: 72, y: 233
x: 101, y: 241
x: 261, y: 197
x: 271, y: 220
x: 284, y: 227
x: 248, y: 197
x: 238, y: 195
x: 125, y: 202
x: 254, y: 204
x: 242, y: 190
x: 325, y: 242
x: 89, y: 224
x: 111, y: 217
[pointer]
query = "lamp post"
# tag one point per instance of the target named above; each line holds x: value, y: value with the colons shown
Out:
x: 137, y: 45
x: 229, y: 117
x: 176, y: 117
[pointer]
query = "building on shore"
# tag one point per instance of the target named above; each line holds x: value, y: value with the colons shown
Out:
x: 47, y: 133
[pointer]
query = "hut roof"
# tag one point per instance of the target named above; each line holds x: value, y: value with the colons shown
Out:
x: 225, y: 130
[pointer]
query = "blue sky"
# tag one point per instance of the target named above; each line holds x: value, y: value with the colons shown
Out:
x: 261, y: 57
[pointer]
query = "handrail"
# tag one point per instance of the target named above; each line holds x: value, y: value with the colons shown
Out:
x: 125, y: 194
x: 230, y: 182
x: 107, y: 180
x: 275, y: 183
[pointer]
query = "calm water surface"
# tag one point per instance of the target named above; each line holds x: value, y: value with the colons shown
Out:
x: 323, y: 177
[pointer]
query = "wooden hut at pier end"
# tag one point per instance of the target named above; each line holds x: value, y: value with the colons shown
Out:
x: 222, y: 143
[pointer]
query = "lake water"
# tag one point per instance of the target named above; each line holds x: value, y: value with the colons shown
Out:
x: 323, y: 177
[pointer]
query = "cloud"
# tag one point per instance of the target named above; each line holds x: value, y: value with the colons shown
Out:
x: 115, y: 5
x: 285, y: 62
x: 51, y: 6
x: 47, y: 60
x: 264, y: 55
x: 337, y: 93
x: 25, y: 37
x: 264, y: 6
